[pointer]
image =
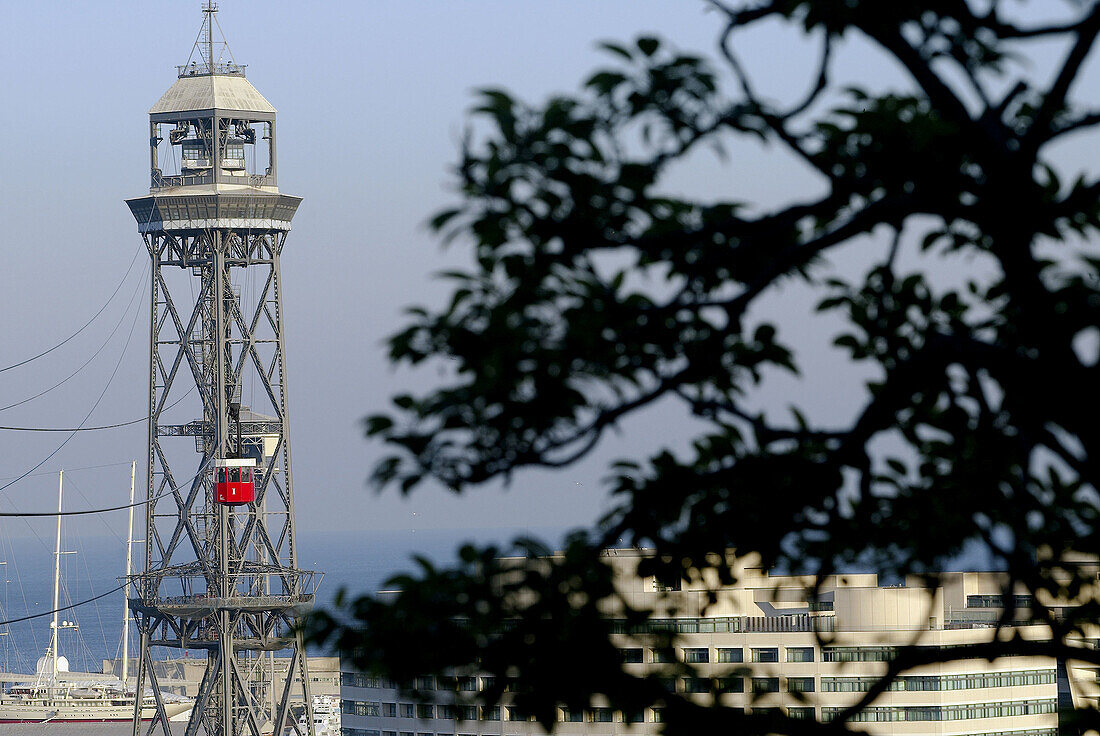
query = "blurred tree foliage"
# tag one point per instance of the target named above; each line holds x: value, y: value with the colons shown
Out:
x: 595, y: 296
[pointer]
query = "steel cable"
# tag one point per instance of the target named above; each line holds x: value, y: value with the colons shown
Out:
x: 84, y: 326
x: 62, y: 382
x: 102, y: 393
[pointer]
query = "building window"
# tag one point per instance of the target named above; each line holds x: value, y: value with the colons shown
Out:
x: 600, y: 715
x: 963, y: 711
x: 632, y: 655
x: 662, y: 656
x: 800, y: 654
x: 997, y: 601
x: 490, y: 713
x: 921, y: 683
x: 389, y: 710
x: 731, y: 684
x: 425, y: 710
x: 936, y: 683
x: 425, y: 683
x: 487, y: 683
x: 857, y: 654
x: 361, y: 708
x: 358, y: 679
x: 408, y: 710
x: 658, y: 715
x: 767, y: 654
x: 513, y: 713
x: 801, y: 713
x: 728, y: 655
x: 765, y: 685
x: 667, y: 587
x: 445, y: 711
x: 696, y: 655
x: 800, y: 684
x: 466, y: 712
x: 568, y: 715
x: 696, y: 684
x: 467, y: 684
x: 633, y: 716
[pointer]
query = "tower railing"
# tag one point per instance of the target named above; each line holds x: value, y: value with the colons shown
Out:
x: 295, y: 586
x: 222, y: 68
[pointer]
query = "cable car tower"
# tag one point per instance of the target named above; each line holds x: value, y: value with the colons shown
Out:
x: 221, y: 570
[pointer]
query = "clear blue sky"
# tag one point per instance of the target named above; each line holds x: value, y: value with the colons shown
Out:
x: 372, y: 98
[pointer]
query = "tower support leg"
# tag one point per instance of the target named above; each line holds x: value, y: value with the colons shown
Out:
x: 202, y: 702
x: 139, y: 685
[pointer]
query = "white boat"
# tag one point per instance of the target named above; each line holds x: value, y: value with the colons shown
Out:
x: 76, y: 701
x: 326, y: 717
x: 55, y: 695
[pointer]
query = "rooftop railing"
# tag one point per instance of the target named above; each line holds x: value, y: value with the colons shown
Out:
x: 727, y: 624
x: 195, y: 69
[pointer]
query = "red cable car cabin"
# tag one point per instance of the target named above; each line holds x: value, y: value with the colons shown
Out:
x: 233, y: 481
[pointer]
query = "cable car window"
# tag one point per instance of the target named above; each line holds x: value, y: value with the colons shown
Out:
x: 219, y: 476
x: 235, y: 475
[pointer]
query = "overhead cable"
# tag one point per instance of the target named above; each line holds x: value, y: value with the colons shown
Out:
x: 71, y: 469
x: 63, y: 381
x: 63, y: 608
x: 102, y: 393
x: 25, y: 514
x: 73, y: 429
x: 97, y: 428
x: 82, y: 327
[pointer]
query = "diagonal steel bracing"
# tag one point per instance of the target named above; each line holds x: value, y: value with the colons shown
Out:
x: 218, y: 578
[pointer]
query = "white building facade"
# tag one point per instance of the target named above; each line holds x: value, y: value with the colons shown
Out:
x: 765, y: 645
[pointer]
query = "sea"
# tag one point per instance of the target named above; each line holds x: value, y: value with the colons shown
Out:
x: 360, y: 562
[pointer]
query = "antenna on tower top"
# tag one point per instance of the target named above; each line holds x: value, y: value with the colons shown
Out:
x: 209, y: 9
x: 203, y: 60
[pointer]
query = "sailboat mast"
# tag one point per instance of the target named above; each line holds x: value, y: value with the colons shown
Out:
x: 126, y: 587
x: 56, y: 577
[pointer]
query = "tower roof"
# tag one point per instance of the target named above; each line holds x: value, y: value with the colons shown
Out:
x: 212, y: 91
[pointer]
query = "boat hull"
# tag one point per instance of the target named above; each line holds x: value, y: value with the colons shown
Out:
x: 80, y: 713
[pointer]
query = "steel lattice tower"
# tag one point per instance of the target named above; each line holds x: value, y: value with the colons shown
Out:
x: 217, y: 577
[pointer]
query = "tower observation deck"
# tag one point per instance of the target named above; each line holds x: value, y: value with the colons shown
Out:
x: 220, y: 577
